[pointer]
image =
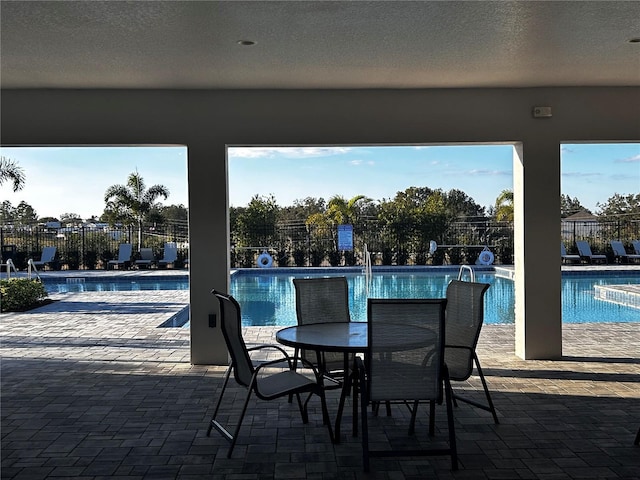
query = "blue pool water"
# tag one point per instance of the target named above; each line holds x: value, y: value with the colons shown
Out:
x: 268, y: 297
x: 66, y: 285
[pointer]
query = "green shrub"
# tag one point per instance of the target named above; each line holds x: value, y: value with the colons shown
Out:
x: 282, y: 257
x: 299, y: 257
x: 20, y: 294
x: 334, y: 258
x: 317, y: 256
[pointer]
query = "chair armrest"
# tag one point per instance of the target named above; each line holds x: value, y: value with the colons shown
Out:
x: 285, y: 356
x: 266, y: 345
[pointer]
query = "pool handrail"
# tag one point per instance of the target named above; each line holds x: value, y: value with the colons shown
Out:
x: 9, y: 266
x: 368, y: 269
x: 472, y: 275
x: 31, y: 268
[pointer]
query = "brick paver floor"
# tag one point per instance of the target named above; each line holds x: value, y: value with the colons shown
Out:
x: 91, y: 389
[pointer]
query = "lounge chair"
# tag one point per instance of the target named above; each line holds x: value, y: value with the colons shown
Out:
x: 265, y: 386
x: 621, y: 254
x: 585, y: 252
x: 146, y: 258
x: 636, y: 246
x: 169, y: 256
x: 567, y: 257
x: 47, y: 258
x: 124, y: 257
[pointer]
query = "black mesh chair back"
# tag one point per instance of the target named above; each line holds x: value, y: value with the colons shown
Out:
x: 322, y: 300
x: 231, y: 326
x: 405, y: 363
x: 406, y: 348
x: 464, y: 317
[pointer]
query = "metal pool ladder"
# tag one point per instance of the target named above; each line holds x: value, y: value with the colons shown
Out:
x: 368, y: 269
x: 472, y: 274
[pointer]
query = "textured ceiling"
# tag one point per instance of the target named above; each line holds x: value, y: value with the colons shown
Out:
x: 318, y: 44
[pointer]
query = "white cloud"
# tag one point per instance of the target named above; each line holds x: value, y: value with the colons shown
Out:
x: 289, y: 152
x: 489, y: 173
x: 581, y: 174
x: 634, y: 159
x: 358, y: 162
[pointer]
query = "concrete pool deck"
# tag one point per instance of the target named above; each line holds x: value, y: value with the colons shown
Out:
x: 91, y: 389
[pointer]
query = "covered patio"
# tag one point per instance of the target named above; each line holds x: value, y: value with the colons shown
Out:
x: 91, y: 388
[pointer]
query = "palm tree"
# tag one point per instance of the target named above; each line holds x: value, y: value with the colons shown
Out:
x: 504, y: 206
x: 343, y: 211
x: 10, y: 170
x: 133, y: 200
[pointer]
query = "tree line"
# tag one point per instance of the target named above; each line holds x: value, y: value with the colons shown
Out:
x: 128, y: 204
x: 416, y: 209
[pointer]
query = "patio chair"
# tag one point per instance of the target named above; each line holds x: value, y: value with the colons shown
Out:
x: 47, y: 258
x: 567, y: 257
x: 585, y: 252
x: 146, y: 259
x: 465, y: 315
x: 405, y: 364
x: 321, y: 300
x: 124, y: 257
x: 265, y: 386
x: 621, y: 254
x: 636, y: 246
x: 169, y: 256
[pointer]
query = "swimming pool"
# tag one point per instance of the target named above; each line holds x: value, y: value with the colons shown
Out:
x: 269, y: 299
x: 114, y: 284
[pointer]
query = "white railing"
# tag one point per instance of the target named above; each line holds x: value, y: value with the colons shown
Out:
x: 9, y: 266
x: 472, y: 275
x: 32, y: 269
x: 368, y: 269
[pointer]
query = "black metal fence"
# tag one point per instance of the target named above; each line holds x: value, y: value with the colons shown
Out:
x: 85, y: 247
x: 297, y: 244
x: 600, y: 233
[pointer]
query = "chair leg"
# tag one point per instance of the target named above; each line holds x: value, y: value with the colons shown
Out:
x: 365, y: 425
x: 412, y: 423
x: 237, y: 431
x: 637, y: 440
x: 432, y: 417
x: 492, y: 409
x: 213, y: 422
x: 325, y: 412
x: 303, y: 408
x: 448, y: 393
x: 296, y: 352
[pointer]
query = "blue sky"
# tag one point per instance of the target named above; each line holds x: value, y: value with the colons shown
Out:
x: 74, y: 179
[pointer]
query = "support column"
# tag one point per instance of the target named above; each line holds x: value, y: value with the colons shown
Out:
x: 538, y: 315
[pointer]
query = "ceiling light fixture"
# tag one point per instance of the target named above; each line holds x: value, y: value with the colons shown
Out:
x: 246, y: 43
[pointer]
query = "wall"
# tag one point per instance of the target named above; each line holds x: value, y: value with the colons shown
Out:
x: 206, y: 121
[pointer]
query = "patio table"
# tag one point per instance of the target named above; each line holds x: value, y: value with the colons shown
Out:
x: 348, y: 338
